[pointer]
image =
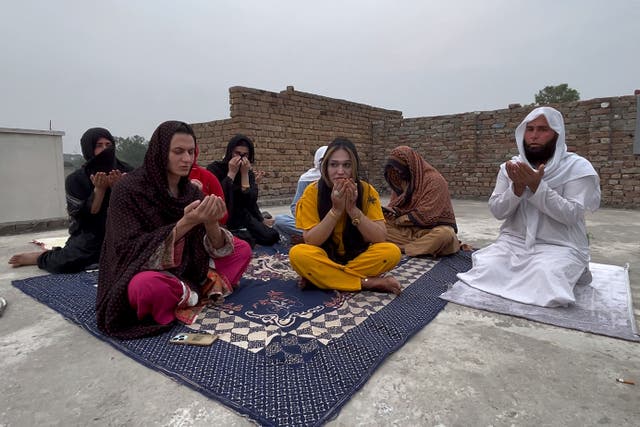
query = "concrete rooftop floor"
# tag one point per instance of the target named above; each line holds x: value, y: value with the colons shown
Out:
x: 466, y: 368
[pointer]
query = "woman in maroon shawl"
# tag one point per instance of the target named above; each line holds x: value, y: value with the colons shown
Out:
x: 164, y: 248
x: 420, y: 218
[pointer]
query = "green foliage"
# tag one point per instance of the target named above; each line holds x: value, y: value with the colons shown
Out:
x: 73, y: 161
x: 131, y: 149
x: 557, y: 94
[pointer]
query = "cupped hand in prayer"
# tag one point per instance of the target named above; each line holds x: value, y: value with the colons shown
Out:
x: 220, y: 208
x: 208, y: 210
x: 100, y: 180
x: 534, y: 177
x: 197, y: 183
x: 524, y: 176
x: 114, y: 176
x: 513, y: 172
x: 351, y: 193
x: 339, y: 195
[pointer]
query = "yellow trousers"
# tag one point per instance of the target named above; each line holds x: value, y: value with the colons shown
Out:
x: 312, y: 263
x: 437, y: 241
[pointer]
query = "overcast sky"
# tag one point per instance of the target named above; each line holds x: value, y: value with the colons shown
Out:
x: 129, y: 65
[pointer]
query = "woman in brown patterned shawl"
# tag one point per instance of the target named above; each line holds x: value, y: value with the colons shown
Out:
x: 420, y: 216
x: 161, y: 234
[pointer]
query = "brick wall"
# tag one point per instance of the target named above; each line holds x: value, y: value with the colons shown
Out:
x: 467, y: 148
x: 287, y: 127
x: 212, y: 137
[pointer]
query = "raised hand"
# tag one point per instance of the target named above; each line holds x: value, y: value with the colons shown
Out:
x: 259, y: 175
x: 351, y: 192
x: 234, y: 165
x: 199, y: 212
x: 114, y: 176
x: 219, y: 208
x: 339, y: 196
x: 197, y: 183
x: 100, y: 180
x: 245, y: 164
x: 517, y: 176
x: 534, y: 177
x: 523, y: 176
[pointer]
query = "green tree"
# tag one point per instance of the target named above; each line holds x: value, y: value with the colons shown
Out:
x: 73, y: 161
x: 557, y: 94
x: 131, y: 149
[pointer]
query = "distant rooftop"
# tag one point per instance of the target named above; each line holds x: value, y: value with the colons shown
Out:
x: 32, y: 131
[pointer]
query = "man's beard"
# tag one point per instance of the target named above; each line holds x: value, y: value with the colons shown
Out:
x: 540, y: 155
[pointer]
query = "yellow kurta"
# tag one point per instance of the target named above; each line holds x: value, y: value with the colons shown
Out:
x: 312, y: 262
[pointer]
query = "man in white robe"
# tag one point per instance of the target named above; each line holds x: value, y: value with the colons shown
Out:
x: 542, y: 251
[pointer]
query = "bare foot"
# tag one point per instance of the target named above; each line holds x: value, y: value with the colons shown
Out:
x: 25, y: 258
x: 382, y: 284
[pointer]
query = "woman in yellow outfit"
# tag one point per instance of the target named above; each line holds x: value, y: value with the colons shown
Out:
x: 343, y: 229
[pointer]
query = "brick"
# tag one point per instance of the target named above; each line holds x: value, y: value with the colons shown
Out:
x: 467, y: 148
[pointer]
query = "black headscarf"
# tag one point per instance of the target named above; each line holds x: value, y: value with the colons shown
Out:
x: 141, y: 216
x: 106, y: 161
x: 90, y: 138
x: 220, y: 168
x: 239, y: 203
x: 354, y: 243
x: 239, y: 140
x: 79, y: 188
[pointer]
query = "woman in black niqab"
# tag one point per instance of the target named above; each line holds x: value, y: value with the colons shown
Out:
x: 88, y: 192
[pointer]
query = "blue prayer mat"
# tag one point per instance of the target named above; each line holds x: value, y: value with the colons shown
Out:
x: 285, y: 356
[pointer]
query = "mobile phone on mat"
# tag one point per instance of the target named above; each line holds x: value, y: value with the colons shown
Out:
x: 188, y: 338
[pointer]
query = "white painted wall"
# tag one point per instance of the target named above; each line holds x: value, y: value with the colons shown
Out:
x: 31, y: 175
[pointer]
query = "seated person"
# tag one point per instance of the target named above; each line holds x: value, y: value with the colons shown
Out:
x: 203, y: 179
x: 88, y: 190
x: 206, y: 182
x: 164, y: 248
x: 344, y: 229
x: 286, y: 224
x: 241, y: 193
x: 542, y: 251
x: 420, y: 218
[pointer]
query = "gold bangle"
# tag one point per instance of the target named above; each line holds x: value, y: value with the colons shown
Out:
x: 333, y: 213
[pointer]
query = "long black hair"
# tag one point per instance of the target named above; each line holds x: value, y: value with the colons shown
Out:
x: 353, y: 241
